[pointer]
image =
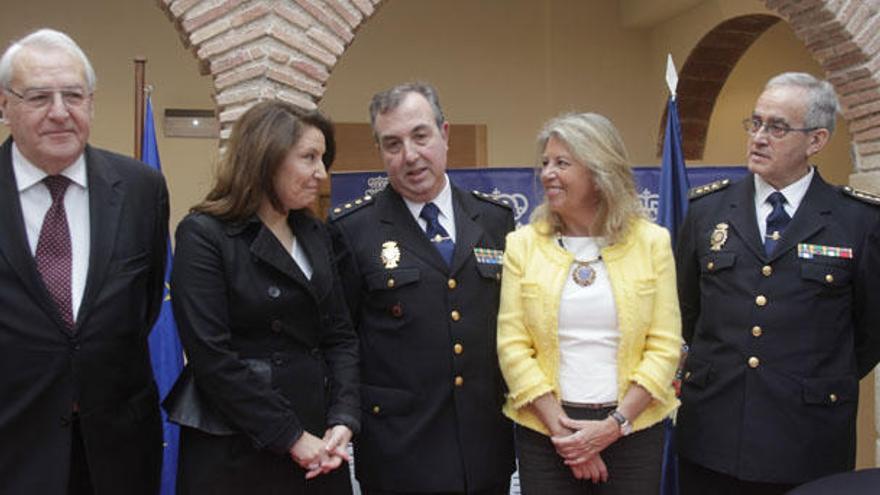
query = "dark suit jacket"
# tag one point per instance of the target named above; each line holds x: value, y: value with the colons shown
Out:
x: 240, y: 298
x: 788, y: 415
x: 104, y: 364
x: 421, y: 325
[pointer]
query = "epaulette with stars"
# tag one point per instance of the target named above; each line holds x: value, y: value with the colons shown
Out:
x: 700, y: 191
x: 343, y: 209
x: 862, y: 196
x: 492, y: 199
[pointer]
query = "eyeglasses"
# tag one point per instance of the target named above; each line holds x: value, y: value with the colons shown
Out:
x: 40, y: 99
x: 776, y: 130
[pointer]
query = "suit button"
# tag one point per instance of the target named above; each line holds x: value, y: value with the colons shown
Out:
x: 687, y: 375
x: 832, y: 397
x: 710, y: 266
x: 459, y: 381
x: 455, y: 315
x: 390, y: 283
x: 273, y: 291
x: 761, y: 301
x: 376, y: 409
x: 757, y: 331
x: 767, y: 270
x: 277, y: 326
x: 829, y: 278
x: 458, y: 348
x: 754, y: 362
x: 451, y: 283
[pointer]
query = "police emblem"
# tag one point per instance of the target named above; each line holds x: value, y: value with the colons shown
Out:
x: 390, y: 254
x: 718, y: 237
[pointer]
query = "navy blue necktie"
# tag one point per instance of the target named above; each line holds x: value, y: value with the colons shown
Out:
x: 436, y: 233
x: 776, y: 221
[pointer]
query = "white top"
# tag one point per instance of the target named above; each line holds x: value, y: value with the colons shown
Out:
x: 444, y: 204
x: 301, y: 259
x: 35, y: 202
x: 588, y: 330
x: 794, y: 193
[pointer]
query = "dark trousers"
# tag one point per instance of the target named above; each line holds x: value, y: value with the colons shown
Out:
x: 79, y: 481
x: 502, y: 489
x: 634, y: 462
x: 695, y: 479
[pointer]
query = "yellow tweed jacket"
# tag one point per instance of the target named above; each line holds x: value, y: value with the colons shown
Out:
x: 642, y: 274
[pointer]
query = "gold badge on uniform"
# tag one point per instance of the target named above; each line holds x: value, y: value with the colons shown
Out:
x: 390, y: 254
x: 718, y: 237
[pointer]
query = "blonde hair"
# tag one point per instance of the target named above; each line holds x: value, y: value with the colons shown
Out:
x: 596, y: 144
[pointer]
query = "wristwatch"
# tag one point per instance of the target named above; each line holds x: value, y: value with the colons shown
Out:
x: 625, y: 426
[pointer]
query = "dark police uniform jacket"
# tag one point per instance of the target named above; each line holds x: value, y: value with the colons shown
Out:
x: 777, y: 343
x: 431, y: 387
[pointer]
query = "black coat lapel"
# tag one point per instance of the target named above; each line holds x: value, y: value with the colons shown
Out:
x: 811, y: 216
x: 310, y: 236
x: 13, y: 239
x: 106, y: 192
x: 742, y: 215
x: 468, y: 231
x: 404, y: 230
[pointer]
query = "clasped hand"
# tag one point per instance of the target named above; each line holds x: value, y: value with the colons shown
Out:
x: 322, y: 455
x: 581, y: 447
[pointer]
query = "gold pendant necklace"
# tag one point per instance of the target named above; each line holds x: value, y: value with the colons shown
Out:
x: 583, y: 274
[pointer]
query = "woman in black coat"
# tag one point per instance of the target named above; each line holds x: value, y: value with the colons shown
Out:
x: 269, y: 399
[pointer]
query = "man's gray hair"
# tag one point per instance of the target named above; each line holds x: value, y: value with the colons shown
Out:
x: 390, y: 99
x: 822, y: 104
x: 45, y: 39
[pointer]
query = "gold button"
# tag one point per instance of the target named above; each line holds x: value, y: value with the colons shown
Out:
x: 754, y: 362
x: 451, y: 283
x: 687, y: 375
x: 497, y: 275
x: 832, y: 397
x: 829, y: 278
x: 376, y: 409
x: 767, y: 270
x: 757, y: 331
x: 761, y: 301
x: 459, y: 381
x: 458, y: 348
x: 710, y: 266
x: 390, y: 283
x: 455, y: 315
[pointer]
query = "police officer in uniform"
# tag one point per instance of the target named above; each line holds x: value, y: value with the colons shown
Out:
x: 779, y: 285
x: 421, y: 266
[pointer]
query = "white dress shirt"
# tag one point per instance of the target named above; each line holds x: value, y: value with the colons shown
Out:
x: 794, y: 193
x: 35, y: 202
x: 444, y: 204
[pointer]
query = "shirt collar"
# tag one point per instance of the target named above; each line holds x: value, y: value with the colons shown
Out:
x: 794, y: 193
x: 443, y: 202
x: 27, y: 174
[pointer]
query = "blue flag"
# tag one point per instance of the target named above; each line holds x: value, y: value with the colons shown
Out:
x: 671, y: 208
x: 166, y: 352
x: 673, y: 201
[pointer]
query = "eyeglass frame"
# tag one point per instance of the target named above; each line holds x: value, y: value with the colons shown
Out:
x: 86, y: 95
x: 748, y: 125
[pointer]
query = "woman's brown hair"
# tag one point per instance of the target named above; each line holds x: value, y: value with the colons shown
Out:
x: 260, y: 141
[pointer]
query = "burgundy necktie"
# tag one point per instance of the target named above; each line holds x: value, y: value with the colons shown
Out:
x: 53, y: 254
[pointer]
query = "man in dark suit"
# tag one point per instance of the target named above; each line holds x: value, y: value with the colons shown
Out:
x: 82, y: 253
x: 779, y: 285
x: 421, y: 265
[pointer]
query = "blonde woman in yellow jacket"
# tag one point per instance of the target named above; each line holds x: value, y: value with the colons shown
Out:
x: 589, y: 329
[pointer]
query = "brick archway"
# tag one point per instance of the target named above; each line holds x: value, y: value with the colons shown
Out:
x: 704, y: 73
x: 287, y: 49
